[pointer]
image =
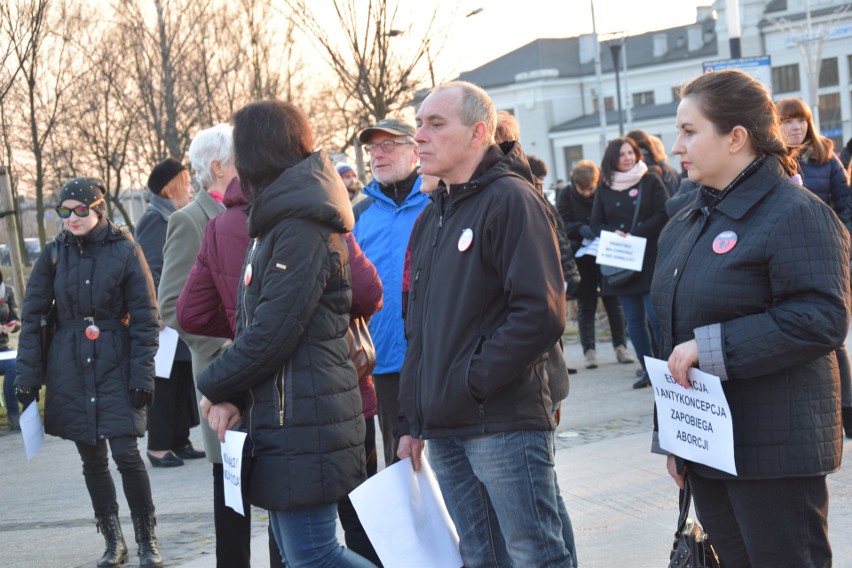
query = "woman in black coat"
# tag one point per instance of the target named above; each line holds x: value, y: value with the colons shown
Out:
x: 288, y: 368
x: 752, y: 285
x: 626, y: 183
x: 99, y: 370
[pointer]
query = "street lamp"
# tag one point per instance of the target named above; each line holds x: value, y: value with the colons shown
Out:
x: 615, y: 50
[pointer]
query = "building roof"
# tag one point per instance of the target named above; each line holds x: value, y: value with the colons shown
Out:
x: 648, y: 112
x: 563, y: 55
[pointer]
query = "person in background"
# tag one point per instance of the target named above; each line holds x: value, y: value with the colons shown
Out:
x: 8, y: 324
x: 383, y: 222
x: 174, y: 410
x: 479, y: 336
x: 760, y: 300
x: 290, y: 350
x: 627, y: 184
x: 352, y: 183
x: 823, y: 174
x: 846, y: 155
x: 99, y: 369
x: 654, y: 155
x: 575, y: 209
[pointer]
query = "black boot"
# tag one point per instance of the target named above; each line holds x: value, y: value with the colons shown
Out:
x: 116, y: 550
x: 149, y: 554
x: 847, y: 420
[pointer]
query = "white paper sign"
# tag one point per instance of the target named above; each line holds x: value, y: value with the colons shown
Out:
x: 621, y: 252
x: 694, y: 423
x: 10, y: 354
x: 232, y: 469
x: 166, y: 353
x: 405, y: 517
x: 32, y: 430
x: 588, y: 248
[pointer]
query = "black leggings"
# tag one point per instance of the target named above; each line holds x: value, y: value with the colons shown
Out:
x: 134, y: 476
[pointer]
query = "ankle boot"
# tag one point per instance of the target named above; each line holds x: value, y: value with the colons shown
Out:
x: 846, y: 413
x: 149, y: 554
x: 116, y: 549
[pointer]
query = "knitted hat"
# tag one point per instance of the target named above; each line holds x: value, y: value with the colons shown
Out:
x: 163, y: 173
x: 393, y: 126
x: 343, y: 168
x: 86, y: 190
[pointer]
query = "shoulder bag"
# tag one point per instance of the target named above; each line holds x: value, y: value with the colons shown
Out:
x: 361, y: 350
x: 614, y: 275
x: 691, y: 547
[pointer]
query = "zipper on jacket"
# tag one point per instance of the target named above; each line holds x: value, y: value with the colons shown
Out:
x: 251, y: 414
x: 245, y: 285
x: 279, y: 390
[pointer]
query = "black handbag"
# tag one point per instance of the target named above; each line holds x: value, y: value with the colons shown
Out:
x: 691, y: 547
x: 613, y: 275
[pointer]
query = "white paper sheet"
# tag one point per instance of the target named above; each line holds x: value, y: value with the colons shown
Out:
x: 622, y: 252
x: 588, y: 247
x: 166, y: 353
x: 405, y: 517
x: 232, y: 459
x: 32, y: 430
x: 10, y: 354
x: 694, y: 423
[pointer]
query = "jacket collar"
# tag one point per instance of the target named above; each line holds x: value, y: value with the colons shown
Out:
x: 506, y: 159
x: 414, y: 197
x: 207, y: 203
x: 162, y: 206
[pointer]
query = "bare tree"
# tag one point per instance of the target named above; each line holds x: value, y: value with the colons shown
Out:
x: 20, y: 23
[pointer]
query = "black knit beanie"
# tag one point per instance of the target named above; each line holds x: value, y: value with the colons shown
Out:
x: 86, y: 190
x: 163, y: 173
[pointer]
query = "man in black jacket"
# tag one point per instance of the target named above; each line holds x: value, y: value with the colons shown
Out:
x: 486, y: 303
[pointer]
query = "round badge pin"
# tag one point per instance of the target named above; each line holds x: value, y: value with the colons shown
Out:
x: 724, y: 242
x: 465, y: 240
x: 247, y: 276
x: 633, y: 192
x: 93, y: 332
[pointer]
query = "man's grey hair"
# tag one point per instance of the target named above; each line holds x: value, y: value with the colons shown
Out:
x: 476, y: 106
x: 212, y: 144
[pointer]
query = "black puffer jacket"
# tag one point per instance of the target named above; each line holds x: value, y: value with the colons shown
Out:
x: 486, y: 304
x: 102, y: 275
x: 289, y: 363
x: 768, y: 307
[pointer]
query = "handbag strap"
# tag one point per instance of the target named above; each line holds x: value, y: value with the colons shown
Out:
x: 685, y: 500
x: 638, y: 204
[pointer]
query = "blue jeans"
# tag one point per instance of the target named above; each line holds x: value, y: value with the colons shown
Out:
x: 500, y: 492
x: 307, y: 537
x: 7, y: 367
x: 642, y: 324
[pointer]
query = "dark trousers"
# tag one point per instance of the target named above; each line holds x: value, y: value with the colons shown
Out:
x: 174, y: 411
x: 387, y: 394
x: 354, y: 533
x: 587, y: 305
x: 134, y: 476
x: 765, y: 522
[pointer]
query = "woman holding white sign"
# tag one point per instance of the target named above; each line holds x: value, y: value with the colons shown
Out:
x: 631, y: 200
x: 752, y: 285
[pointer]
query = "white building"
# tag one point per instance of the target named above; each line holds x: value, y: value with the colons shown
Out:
x: 551, y: 87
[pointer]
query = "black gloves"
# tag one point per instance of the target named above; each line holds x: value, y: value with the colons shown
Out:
x: 140, y: 398
x: 26, y: 395
x: 586, y: 232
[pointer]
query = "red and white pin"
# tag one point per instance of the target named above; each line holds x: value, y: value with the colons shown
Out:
x: 633, y: 192
x: 92, y: 331
x: 247, y: 275
x: 724, y: 242
x: 465, y: 240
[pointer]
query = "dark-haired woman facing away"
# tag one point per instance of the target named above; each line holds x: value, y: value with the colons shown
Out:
x: 752, y: 285
x: 288, y: 367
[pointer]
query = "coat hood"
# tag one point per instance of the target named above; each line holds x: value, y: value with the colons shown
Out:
x: 501, y: 160
x: 234, y: 195
x: 312, y: 189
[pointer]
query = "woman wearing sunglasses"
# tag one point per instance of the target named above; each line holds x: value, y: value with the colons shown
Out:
x: 99, y: 365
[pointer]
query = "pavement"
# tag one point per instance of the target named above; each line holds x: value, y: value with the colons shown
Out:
x: 622, y: 503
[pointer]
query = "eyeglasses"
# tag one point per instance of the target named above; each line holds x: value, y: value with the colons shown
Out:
x: 80, y: 210
x: 387, y: 146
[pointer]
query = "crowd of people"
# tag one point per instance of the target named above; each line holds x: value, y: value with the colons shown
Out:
x: 455, y: 269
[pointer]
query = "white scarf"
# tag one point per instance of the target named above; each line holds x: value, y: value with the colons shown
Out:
x: 628, y: 179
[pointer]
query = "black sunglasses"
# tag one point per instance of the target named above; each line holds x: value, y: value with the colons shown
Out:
x: 79, y: 211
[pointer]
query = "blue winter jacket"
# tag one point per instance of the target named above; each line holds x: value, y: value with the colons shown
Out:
x: 828, y: 182
x: 382, y: 229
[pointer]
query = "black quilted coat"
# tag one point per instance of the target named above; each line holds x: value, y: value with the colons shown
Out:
x: 771, y: 309
x: 289, y: 364
x: 102, y: 275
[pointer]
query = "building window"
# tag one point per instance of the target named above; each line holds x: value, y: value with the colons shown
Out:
x: 609, y: 103
x: 785, y: 79
x: 830, y: 118
x: 573, y: 154
x: 828, y: 75
x: 645, y: 98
